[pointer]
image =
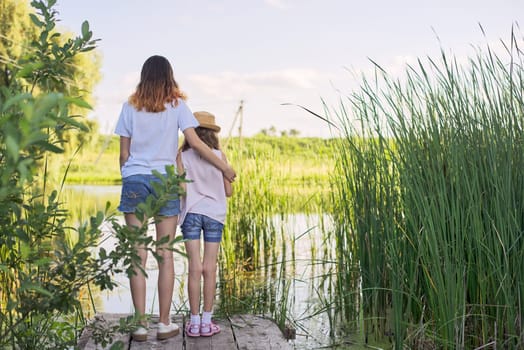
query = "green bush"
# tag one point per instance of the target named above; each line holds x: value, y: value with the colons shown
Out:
x: 44, y: 262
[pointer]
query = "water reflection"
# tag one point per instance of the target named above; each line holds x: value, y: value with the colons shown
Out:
x: 293, y: 283
x: 119, y: 299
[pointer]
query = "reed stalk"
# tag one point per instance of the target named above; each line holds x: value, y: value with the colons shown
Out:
x: 428, y: 201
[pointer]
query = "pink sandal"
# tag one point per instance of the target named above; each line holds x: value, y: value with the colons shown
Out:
x: 208, y: 329
x: 192, y: 329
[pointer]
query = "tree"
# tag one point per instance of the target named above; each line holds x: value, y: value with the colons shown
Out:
x: 16, y: 32
x: 20, y: 36
x: 44, y: 261
x: 294, y: 132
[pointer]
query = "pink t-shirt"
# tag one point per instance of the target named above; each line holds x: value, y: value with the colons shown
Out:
x: 205, y: 194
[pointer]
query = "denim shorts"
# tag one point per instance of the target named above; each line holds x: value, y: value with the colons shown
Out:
x: 135, y: 190
x: 195, y: 223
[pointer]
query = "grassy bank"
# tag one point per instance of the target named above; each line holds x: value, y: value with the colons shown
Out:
x: 301, y: 164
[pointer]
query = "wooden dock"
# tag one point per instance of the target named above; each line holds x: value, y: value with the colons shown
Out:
x: 240, y: 332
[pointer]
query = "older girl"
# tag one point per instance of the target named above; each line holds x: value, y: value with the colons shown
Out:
x: 148, y: 127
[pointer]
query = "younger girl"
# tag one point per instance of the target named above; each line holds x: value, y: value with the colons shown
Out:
x: 203, y: 208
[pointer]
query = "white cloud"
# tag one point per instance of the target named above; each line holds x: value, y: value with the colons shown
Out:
x: 263, y: 94
x: 221, y: 92
x: 280, y: 4
x: 239, y: 84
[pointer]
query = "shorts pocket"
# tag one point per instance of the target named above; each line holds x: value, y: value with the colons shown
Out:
x: 133, y: 193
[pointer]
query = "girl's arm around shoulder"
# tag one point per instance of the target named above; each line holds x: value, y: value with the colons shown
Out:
x: 228, y: 186
x: 202, y: 149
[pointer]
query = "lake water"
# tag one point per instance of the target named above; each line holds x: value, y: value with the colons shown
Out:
x: 298, y: 281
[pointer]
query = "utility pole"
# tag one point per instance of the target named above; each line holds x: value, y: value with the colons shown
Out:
x: 240, y: 121
x: 238, y: 115
x: 241, y: 114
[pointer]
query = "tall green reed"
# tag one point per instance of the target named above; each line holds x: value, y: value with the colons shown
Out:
x: 257, y: 267
x: 429, y: 199
x: 268, y: 186
x: 249, y: 246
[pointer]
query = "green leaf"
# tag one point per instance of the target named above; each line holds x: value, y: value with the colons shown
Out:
x: 170, y: 170
x: 78, y: 102
x: 102, y: 253
x: 46, y: 103
x: 50, y: 147
x: 15, y: 100
x: 50, y: 26
x: 43, y: 261
x: 12, y: 147
x: 85, y: 29
x: 71, y: 122
x: 35, y: 288
x: 11, y: 304
x: 89, y: 48
x: 43, y: 37
x: 38, y: 5
x: 28, y: 69
x: 34, y: 137
x: 35, y: 20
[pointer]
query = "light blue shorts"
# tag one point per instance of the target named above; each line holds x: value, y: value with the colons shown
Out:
x: 135, y: 190
x: 195, y: 223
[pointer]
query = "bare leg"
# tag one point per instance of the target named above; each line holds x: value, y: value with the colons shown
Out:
x: 137, y: 282
x: 166, y: 270
x: 195, y: 275
x: 210, y: 273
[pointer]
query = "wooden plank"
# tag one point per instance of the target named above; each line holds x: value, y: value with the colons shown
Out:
x: 225, y: 339
x: 86, y: 341
x: 245, y: 332
x: 257, y: 333
x: 174, y: 343
x: 198, y: 343
x: 84, y: 338
x: 222, y: 340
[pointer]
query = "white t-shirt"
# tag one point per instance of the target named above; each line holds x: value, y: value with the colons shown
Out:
x: 154, y: 136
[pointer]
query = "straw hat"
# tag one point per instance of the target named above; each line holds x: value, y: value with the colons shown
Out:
x: 206, y: 120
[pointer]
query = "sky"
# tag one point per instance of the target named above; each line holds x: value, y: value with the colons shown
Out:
x: 268, y: 53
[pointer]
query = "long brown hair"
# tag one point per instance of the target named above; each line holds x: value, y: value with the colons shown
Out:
x: 157, y: 86
x: 208, y: 136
